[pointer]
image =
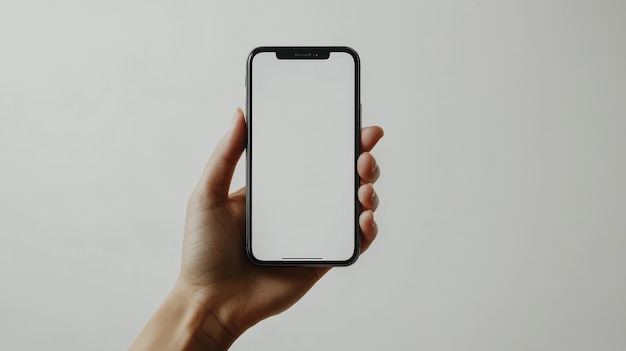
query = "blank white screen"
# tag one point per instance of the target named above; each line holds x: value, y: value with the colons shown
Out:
x: 303, y: 172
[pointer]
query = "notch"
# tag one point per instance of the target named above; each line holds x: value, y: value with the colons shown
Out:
x: 299, y: 53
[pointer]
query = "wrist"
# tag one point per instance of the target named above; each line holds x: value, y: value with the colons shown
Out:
x: 201, y: 319
x: 184, y: 322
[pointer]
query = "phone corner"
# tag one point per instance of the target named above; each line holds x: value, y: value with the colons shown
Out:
x: 255, y: 51
x: 352, y: 52
x: 252, y: 258
x: 352, y: 260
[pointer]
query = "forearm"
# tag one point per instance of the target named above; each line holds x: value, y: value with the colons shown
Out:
x: 182, y: 323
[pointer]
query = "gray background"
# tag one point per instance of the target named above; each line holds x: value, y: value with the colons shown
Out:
x: 503, y: 196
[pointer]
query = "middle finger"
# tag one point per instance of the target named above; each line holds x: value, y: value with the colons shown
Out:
x: 368, y: 168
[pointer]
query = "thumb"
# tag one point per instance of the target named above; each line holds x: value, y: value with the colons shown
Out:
x: 215, y: 180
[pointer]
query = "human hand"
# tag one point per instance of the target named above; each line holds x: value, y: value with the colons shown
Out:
x: 229, y: 293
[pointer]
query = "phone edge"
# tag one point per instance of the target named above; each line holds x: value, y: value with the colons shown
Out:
x: 357, y: 148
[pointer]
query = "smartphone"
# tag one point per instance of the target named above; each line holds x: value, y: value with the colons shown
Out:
x: 303, y: 139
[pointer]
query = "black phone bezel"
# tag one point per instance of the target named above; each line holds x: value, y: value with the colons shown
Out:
x: 302, y: 53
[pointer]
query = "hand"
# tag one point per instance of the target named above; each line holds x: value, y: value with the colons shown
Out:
x: 217, y: 277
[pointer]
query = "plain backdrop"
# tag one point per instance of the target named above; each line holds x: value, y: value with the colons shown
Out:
x: 503, y: 195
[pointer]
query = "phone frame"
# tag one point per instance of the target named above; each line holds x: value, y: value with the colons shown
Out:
x: 303, y: 53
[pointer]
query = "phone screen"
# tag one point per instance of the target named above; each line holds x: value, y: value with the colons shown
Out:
x: 303, y: 137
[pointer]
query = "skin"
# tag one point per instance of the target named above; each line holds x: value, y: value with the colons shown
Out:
x: 219, y: 293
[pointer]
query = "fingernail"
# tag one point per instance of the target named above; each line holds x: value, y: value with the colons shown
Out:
x: 373, y: 193
x: 373, y: 165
